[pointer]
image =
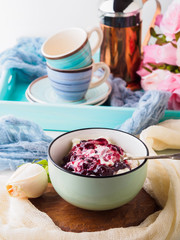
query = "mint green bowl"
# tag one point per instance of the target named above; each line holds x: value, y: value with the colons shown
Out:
x: 97, y: 193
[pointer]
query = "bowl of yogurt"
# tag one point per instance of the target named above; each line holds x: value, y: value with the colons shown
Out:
x: 88, y: 167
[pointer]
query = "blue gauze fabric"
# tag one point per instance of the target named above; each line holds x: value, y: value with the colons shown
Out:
x: 150, y: 110
x: 26, y: 58
x: 21, y: 141
x: 122, y: 96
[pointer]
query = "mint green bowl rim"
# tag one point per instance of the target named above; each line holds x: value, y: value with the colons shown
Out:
x: 94, y: 128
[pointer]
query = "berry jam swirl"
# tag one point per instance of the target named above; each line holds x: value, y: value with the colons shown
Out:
x: 96, y: 158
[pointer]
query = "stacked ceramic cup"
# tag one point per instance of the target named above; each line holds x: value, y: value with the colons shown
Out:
x: 70, y: 66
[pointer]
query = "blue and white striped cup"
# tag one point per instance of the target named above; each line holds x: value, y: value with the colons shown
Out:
x: 70, y: 48
x: 72, y: 85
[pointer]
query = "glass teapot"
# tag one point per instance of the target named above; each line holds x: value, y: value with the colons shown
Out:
x: 121, y: 47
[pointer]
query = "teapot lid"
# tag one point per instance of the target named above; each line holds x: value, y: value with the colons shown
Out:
x: 110, y: 14
x: 120, y: 6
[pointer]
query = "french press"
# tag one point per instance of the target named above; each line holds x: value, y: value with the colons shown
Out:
x: 121, y: 23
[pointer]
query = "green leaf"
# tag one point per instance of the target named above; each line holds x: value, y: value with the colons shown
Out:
x: 163, y: 66
x: 43, y: 162
x: 177, y: 36
x: 161, y: 41
x: 154, y: 66
x: 147, y: 69
x: 169, y: 68
x: 177, y: 71
x: 153, y: 33
x: 174, y: 45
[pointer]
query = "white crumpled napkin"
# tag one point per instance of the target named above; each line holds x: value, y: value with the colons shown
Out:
x: 19, y: 219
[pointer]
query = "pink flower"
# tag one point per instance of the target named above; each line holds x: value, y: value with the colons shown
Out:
x: 160, y: 54
x: 174, y: 101
x: 142, y: 69
x: 170, y: 23
x: 178, y: 53
x: 172, y: 84
x: 153, y: 80
x: 164, y: 80
x: 158, y: 20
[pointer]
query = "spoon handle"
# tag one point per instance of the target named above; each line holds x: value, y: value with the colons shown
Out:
x: 175, y: 156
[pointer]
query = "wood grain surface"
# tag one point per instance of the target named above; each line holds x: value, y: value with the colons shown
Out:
x: 71, y: 218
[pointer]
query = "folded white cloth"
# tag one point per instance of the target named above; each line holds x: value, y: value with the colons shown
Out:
x: 19, y: 219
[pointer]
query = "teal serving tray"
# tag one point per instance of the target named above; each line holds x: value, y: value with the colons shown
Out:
x: 52, y: 117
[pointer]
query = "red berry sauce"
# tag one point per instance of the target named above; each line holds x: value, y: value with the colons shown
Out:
x: 95, y: 158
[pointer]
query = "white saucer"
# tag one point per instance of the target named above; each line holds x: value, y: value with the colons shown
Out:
x: 101, y: 102
x: 96, y: 104
x: 41, y: 91
x: 28, y: 98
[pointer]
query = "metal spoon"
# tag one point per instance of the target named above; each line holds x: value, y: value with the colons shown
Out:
x: 175, y: 156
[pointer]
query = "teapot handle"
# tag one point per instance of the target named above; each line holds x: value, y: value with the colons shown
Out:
x: 157, y: 12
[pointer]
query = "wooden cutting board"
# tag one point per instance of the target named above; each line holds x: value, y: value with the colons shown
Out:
x: 73, y: 219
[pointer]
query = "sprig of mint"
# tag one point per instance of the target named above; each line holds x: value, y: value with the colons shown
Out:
x: 44, y: 164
